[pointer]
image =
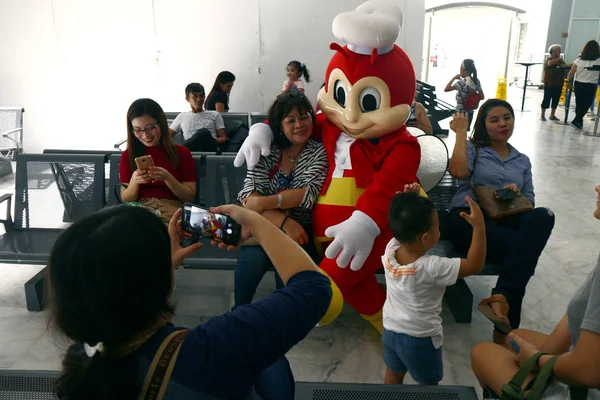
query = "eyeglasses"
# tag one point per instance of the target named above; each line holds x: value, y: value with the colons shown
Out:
x: 149, y: 129
x: 282, y: 98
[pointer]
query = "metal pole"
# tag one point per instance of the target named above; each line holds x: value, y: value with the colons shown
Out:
x: 510, y: 29
x: 428, y: 49
x: 525, y: 87
x: 595, y: 132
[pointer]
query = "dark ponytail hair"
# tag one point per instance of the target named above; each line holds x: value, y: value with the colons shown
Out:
x: 469, y: 66
x: 105, y: 284
x: 301, y: 67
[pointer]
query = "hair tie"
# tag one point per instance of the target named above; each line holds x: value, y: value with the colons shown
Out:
x: 302, y: 65
x: 91, y: 350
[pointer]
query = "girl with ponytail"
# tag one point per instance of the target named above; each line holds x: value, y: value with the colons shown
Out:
x: 295, y: 71
x: 468, y: 89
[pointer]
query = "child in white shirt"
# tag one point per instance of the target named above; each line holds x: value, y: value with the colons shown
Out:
x: 416, y: 281
x: 295, y: 71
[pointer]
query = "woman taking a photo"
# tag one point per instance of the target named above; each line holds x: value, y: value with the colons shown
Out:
x: 110, y: 280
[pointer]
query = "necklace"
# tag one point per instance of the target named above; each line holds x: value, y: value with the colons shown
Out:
x: 294, y: 159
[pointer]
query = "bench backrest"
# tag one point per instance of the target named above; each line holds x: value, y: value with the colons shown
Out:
x: 241, y: 117
x: 355, y: 391
x: 107, y: 153
x: 11, y: 120
x: 199, y: 160
x: 257, y: 117
x: 80, y: 188
x: 426, y: 95
x: 442, y: 194
x: 224, y: 181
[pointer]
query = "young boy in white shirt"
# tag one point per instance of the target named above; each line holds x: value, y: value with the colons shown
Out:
x: 416, y: 281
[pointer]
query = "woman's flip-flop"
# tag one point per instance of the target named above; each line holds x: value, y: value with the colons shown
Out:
x: 485, y: 307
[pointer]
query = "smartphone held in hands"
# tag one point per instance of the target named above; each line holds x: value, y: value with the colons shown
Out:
x: 218, y: 227
x: 506, y: 194
x: 144, y: 162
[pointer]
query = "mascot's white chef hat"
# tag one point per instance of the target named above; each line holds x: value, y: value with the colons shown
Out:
x: 372, y: 25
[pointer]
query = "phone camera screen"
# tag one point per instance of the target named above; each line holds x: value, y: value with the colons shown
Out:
x: 208, y: 224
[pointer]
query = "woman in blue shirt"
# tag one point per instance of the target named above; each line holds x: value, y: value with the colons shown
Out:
x: 110, y: 282
x: 515, y: 242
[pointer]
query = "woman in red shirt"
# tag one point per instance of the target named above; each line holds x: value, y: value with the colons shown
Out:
x: 172, y: 179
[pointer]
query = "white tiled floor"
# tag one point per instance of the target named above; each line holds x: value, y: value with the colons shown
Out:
x: 565, y: 172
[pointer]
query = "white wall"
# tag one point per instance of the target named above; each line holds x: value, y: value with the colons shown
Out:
x: 559, y: 23
x: 76, y: 65
x: 584, y: 26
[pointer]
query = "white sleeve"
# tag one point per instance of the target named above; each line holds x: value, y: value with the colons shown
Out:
x: 299, y: 84
x: 176, y: 124
x: 219, y: 121
x: 442, y: 271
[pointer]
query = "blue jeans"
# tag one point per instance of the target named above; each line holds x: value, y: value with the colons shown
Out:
x: 402, y: 353
x: 252, y: 265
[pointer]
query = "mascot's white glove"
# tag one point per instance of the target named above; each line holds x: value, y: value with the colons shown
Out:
x: 256, y: 144
x: 354, y: 237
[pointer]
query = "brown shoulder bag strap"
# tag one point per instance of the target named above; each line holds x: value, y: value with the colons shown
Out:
x: 159, y: 373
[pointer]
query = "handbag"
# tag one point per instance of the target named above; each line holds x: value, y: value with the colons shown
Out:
x: 513, y: 390
x: 161, y: 368
x: 493, y: 208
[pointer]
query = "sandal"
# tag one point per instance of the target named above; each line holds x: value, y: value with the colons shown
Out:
x: 542, y: 118
x: 554, y: 119
x: 485, y: 307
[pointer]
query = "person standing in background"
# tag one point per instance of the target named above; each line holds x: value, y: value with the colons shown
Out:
x: 586, y: 81
x: 553, y: 81
x: 466, y: 82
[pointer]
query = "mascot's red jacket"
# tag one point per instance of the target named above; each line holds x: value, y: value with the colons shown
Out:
x: 365, y: 103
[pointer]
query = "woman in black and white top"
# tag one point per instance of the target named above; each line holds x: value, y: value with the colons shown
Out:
x: 586, y: 81
x: 283, y: 187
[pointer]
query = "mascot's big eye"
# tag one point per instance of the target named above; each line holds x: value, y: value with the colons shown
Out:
x: 339, y: 93
x: 369, y: 99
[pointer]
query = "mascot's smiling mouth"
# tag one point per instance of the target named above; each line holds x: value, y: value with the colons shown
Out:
x: 355, y: 132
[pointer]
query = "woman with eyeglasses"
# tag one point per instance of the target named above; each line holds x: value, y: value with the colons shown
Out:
x: 171, y: 181
x: 283, y: 187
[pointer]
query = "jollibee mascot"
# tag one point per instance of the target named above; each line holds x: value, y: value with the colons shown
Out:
x: 369, y: 88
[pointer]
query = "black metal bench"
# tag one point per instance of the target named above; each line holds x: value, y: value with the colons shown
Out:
x: 41, y: 212
x: 458, y: 296
x: 37, y: 385
x: 437, y: 109
x: 218, y: 182
x: 232, y: 121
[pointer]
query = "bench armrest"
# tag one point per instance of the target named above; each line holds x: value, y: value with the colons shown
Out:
x: 118, y: 144
x: 11, y: 131
x: 8, y: 222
